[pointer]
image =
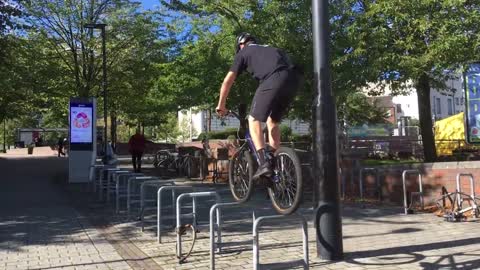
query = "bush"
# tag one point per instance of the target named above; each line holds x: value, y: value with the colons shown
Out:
x: 285, y: 133
x: 218, y: 135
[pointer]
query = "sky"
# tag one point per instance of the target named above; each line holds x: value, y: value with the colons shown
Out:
x: 148, y: 4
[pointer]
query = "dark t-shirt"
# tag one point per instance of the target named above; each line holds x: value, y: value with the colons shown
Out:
x: 260, y: 61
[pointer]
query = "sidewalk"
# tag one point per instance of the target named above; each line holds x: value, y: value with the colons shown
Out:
x: 47, y: 224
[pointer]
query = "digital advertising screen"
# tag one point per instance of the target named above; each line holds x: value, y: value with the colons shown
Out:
x: 472, y: 102
x: 81, y: 123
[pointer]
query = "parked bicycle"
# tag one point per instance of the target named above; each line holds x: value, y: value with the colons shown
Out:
x: 174, y: 163
x: 286, y: 188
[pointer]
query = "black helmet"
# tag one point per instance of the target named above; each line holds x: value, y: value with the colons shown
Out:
x: 242, y: 39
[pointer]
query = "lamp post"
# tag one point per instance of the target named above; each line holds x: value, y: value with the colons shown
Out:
x: 4, y: 135
x: 328, y: 222
x: 101, y: 26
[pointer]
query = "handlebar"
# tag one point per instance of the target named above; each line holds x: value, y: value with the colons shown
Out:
x: 232, y: 113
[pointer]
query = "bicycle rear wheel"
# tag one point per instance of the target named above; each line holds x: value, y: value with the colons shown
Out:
x: 287, y: 188
x: 240, y: 176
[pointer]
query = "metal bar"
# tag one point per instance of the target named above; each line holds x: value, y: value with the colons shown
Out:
x: 159, y: 205
x: 256, y: 237
x: 117, y: 188
x: 472, y: 189
x: 217, y: 244
x: 114, y: 177
x: 129, y: 189
x: 420, y: 183
x: 192, y: 195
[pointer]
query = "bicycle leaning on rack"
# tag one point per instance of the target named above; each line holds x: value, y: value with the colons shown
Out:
x: 286, y: 188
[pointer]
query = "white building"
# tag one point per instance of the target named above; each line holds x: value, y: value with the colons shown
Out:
x: 444, y: 103
x: 197, y: 121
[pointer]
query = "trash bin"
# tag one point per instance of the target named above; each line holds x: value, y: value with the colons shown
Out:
x: 30, y: 150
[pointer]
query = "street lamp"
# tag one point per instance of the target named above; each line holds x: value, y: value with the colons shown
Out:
x: 328, y: 221
x: 101, y: 26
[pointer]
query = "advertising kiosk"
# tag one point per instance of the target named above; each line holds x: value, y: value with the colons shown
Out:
x: 471, y: 79
x: 82, y: 128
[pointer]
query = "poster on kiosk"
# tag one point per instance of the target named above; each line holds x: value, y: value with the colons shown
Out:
x: 82, y: 123
x: 471, y: 80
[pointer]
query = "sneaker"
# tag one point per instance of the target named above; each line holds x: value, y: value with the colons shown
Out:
x: 264, y: 170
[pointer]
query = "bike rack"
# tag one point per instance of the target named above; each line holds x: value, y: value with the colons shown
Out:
x: 377, y: 181
x: 118, y: 180
x: 155, y: 184
x: 419, y: 193
x: 94, y: 169
x: 100, y: 184
x: 130, y: 181
x: 105, y: 185
x: 472, y: 190
x: 173, y: 189
x: 114, y: 176
x: 258, y: 222
x: 218, y: 227
x: 194, y: 196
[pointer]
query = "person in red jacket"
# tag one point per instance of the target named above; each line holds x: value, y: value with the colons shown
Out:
x: 136, y: 147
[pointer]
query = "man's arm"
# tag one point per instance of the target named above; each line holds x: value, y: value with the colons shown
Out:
x: 224, y: 90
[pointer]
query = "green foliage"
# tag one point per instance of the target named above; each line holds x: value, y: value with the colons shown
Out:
x: 219, y: 135
x: 360, y: 111
x: 285, y: 133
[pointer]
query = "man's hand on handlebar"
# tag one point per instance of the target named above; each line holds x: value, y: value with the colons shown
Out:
x: 221, y: 111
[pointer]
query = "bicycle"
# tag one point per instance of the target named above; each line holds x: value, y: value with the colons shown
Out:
x: 286, y: 188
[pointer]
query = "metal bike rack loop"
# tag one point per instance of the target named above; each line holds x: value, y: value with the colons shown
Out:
x: 377, y: 181
x: 118, y: 186
x: 258, y: 222
x: 143, y: 200
x: 130, y: 181
x: 194, y: 196
x: 174, y: 190
x: 419, y: 193
x: 217, y: 245
x: 472, y: 189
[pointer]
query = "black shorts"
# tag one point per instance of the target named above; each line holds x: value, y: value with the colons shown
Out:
x: 274, y: 96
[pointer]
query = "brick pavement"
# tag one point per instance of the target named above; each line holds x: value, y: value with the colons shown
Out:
x: 78, y: 233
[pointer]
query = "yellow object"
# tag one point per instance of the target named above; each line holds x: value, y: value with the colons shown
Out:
x: 449, y: 134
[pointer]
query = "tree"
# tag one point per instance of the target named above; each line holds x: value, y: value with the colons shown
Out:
x: 417, y: 43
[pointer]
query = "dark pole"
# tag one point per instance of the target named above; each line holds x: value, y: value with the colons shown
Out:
x: 104, y: 82
x: 4, y: 135
x: 328, y: 222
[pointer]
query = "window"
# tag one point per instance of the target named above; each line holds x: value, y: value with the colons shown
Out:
x: 438, y: 106
x: 457, y: 101
x: 450, y: 106
x: 462, y: 100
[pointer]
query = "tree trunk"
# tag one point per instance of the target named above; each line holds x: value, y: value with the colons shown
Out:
x: 209, y: 127
x: 242, y: 112
x: 425, y: 114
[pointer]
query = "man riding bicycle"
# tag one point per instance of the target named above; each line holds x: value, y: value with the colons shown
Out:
x: 278, y: 83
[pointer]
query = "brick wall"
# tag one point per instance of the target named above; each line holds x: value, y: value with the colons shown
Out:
x: 434, y: 176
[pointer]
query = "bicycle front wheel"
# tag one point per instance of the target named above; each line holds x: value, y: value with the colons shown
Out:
x: 287, y: 188
x: 240, y: 176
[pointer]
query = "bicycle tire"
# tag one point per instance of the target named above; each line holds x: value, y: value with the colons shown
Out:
x: 237, y: 176
x: 289, y: 158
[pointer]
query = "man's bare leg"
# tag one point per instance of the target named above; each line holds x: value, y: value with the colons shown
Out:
x: 256, y: 133
x: 264, y: 168
x: 273, y: 133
